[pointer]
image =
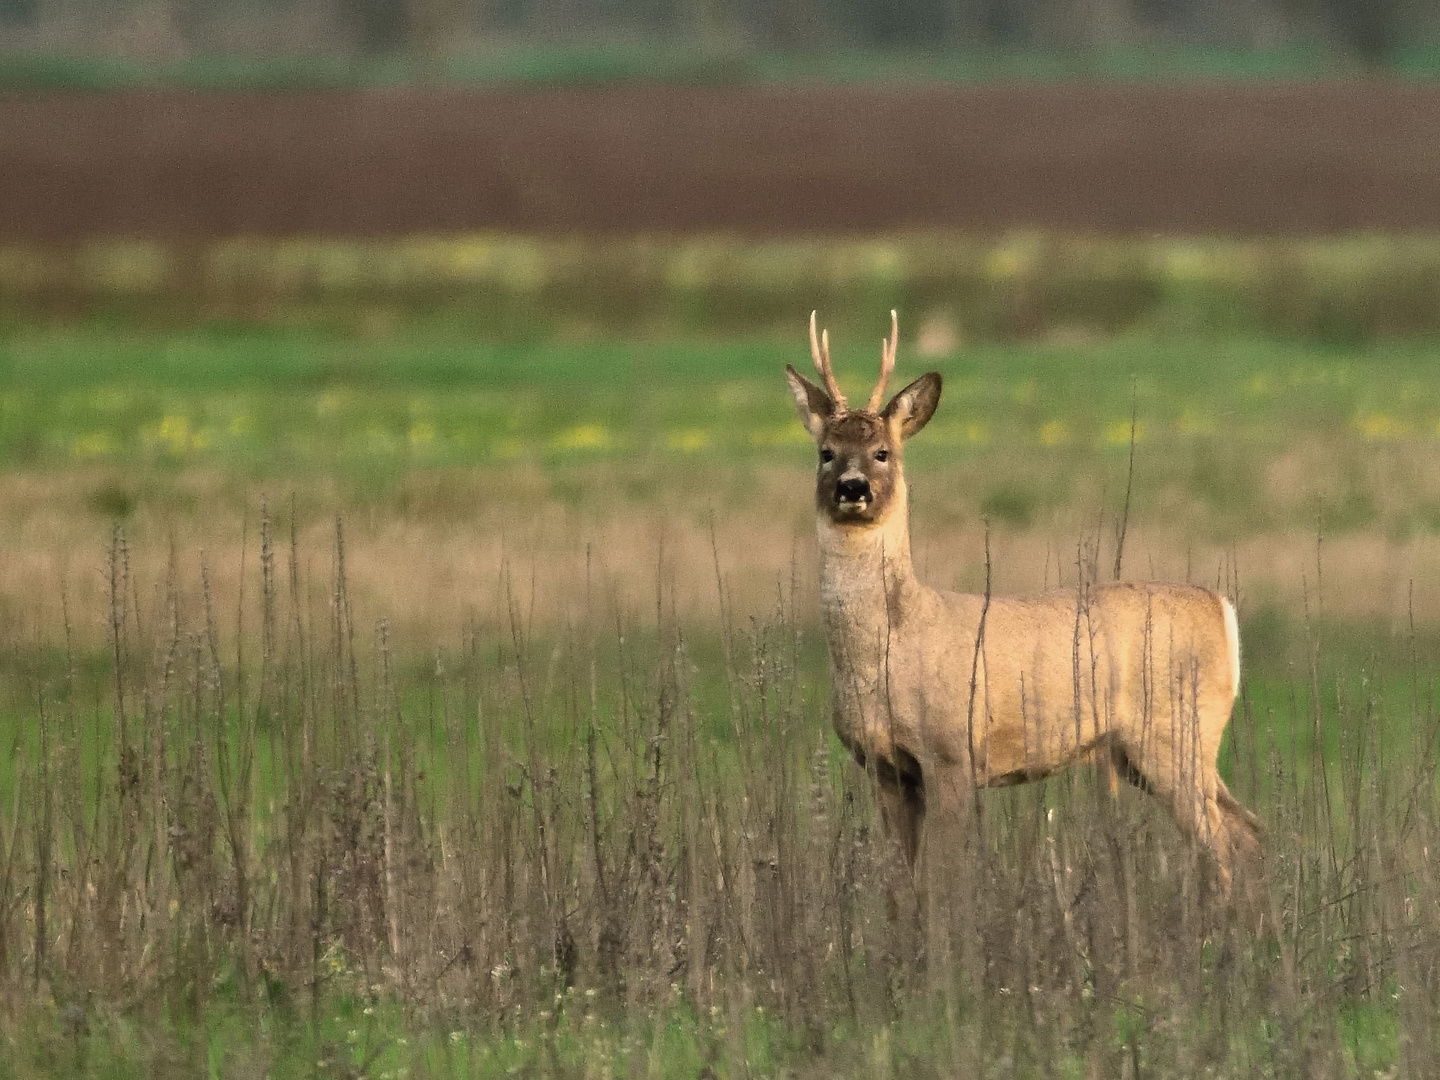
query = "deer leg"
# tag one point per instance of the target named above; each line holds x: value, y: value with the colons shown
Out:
x: 1217, y: 837
x: 902, y: 808
x: 1194, y: 797
x: 902, y: 816
x: 1243, y: 827
x: 947, y: 873
x: 1197, y: 811
x: 1203, y: 820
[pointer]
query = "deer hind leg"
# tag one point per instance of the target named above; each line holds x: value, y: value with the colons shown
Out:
x: 1216, y: 836
x: 1197, y: 809
x: 1192, y: 791
x: 1243, y: 829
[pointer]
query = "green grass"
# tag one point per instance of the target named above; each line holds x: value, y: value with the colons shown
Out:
x: 261, y: 395
x: 1025, y: 423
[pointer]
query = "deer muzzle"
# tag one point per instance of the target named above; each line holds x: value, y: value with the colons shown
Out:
x: 852, y: 493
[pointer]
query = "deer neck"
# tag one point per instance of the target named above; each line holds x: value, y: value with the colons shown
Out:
x: 867, y: 581
x: 868, y: 592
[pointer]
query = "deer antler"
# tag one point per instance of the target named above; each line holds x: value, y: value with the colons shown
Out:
x: 820, y: 353
x: 887, y: 364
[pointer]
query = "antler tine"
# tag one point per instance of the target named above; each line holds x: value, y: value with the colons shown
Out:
x: 887, y: 363
x: 820, y: 353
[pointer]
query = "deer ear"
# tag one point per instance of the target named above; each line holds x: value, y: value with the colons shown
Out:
x: 812, y: 404
x: 911, y: 409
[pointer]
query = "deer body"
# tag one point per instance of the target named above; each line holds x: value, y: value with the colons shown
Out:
x: 937, y: 692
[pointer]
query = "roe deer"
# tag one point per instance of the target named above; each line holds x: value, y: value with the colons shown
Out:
x: 939, y: 692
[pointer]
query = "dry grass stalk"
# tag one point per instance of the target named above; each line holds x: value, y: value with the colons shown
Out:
x: 672, y: 803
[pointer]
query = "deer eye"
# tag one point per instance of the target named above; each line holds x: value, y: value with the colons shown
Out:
x: 826, y: 456
x: 882, y: 455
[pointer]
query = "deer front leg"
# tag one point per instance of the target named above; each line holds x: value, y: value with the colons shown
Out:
x: 950, y: 802
x: 902, y: 818
x: 947, y: 873
x: 902, y: 809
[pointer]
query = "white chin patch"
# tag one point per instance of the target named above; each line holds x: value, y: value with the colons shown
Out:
x: 852, y: 506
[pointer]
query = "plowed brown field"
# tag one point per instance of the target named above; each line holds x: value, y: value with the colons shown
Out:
x: 1260, y: 158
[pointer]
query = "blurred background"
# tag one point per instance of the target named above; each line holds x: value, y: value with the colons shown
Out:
x: 761, y: 31
x: 394, y: 447
x: 520, y: 277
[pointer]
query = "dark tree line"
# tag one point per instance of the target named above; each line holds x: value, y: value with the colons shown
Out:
x: 1372, y: 30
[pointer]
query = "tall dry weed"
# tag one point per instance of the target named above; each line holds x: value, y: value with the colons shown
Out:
x: 267, y: 806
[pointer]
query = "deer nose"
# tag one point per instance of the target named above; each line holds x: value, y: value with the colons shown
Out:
x: 852, y: 489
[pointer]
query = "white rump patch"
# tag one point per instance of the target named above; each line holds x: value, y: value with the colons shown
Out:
x: 1232, y: 639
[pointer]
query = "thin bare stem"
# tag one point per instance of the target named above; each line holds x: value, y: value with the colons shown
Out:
x: 1129, y: 480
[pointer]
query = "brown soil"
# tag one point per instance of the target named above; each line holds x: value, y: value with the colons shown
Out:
x: 1260, y: 158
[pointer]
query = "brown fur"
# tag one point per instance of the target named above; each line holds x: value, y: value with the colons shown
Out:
x: 1142, y: 673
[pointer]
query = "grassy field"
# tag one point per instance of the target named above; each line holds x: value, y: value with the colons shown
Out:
x: 395, y: 704
x: 448, y: 456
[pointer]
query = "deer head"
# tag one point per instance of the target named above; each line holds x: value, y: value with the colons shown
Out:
x: 861, y: 451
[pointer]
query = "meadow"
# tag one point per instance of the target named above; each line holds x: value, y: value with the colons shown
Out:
x: 384, y: 700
